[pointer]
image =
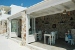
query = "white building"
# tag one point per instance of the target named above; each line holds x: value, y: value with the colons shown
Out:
x: 45, y: 16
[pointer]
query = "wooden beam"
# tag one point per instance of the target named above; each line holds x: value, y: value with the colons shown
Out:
x: 57, y: 8
x: 65, y: 6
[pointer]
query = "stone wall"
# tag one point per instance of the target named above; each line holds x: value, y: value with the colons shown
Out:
x: 3, y: 27
x: 23, y: 29
x: 48, y: 23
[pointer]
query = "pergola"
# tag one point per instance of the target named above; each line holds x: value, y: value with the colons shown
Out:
x: 50, y: 7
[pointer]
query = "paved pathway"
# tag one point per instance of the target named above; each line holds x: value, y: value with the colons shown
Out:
x: 7, y: 44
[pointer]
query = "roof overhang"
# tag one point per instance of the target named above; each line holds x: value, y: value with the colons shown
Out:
x: 15, y: 16
x: 50, y: 7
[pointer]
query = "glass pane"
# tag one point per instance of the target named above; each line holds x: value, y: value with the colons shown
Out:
x: 14, y: 26
x: 30, y: 30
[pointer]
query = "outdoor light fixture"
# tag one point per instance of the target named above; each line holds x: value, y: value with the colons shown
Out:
x: 64, y: 12
x: 69, y: 13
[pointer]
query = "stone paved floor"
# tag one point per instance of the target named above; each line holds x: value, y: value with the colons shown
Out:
x: 60, y: 45
x: 8, y: 44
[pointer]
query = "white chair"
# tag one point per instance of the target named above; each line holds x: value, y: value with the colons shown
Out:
x: 71, y: 41
x: 49, y: 40
x: 70, y: 38
x: 66, y: 37
x: 53, y: 34
x: 45, y: 32
x: 56, y: 34
x: 53, y: 38
x: 39, y: 35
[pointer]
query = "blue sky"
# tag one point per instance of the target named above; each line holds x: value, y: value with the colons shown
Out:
x: 26, y: 3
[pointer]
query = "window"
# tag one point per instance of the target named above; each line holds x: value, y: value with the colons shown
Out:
x: 9, y: 12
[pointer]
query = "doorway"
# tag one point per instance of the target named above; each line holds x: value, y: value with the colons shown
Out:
x: 31, y: 36
x: 16, y: 28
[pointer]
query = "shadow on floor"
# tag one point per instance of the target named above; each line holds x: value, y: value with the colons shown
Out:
x: 60, y: 43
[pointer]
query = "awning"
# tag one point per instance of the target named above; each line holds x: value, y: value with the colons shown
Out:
x: 15, y: 16
x: 50, y: 7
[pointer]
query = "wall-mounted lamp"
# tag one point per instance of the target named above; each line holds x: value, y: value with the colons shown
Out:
x: 64, y: 12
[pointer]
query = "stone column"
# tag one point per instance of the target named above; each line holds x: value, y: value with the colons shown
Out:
x: 23, y: 31
x: 4, y: 26
x: 0, y: 27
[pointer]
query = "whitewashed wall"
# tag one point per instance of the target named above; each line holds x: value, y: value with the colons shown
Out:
x: 15, y: 9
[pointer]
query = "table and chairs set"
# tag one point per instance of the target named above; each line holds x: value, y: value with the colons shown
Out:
x: 69, y: 38
x: 52, y: 36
